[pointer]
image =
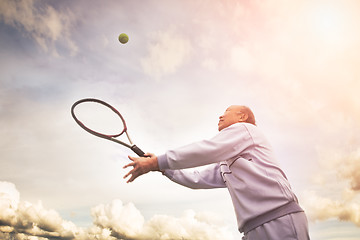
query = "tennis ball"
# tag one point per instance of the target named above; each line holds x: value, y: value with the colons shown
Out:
x: 123, y: 38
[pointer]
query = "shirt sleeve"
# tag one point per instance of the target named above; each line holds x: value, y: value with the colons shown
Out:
x: 207, y: 178
x: 227, y: 144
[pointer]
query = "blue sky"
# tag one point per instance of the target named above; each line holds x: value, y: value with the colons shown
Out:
x: 295, y: 63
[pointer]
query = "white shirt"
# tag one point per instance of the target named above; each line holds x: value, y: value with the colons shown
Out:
x: 239, y: 158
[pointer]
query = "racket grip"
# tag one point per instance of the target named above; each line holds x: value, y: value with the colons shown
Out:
x: 138, y: 151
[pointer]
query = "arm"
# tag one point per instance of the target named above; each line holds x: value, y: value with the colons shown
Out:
x: 227, y: 144
x: 209, y: 177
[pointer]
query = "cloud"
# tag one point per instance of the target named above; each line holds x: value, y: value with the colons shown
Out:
x: 125, y: 221
x: 24, y: 220
x: 349, y: 169
x: 20, y: 217
x: 45, y: 25
x: 166, y: 53
x: 284, y: 51
x: 191, y: 225
x: 10, y: 198
x: 323, y: 208
x: 337, y: 193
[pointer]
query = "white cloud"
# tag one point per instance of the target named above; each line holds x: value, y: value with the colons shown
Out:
x: 33, y: 220
x: 123, y: 220
x: 24, y: 220
x: 349, y: 169
x: 191, y: 225
x: 166, y: 53
x: 10, y: 198
x: 321, y: 208
x: 45, y: 25
x: 336, y: 192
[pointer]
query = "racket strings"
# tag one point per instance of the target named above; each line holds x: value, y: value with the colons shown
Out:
x: 100, y: 119
x: 94, y: 114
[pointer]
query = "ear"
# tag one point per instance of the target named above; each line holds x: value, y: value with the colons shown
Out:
x: 243, y: 117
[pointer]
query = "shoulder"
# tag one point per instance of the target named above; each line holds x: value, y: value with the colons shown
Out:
x: 245, y: 129
x: 238, y: 130
x: 242, y: 126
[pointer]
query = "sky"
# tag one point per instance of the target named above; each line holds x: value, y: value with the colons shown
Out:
x: 294, y: 63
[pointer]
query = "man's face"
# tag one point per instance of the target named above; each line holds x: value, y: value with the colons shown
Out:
x: 232, y: 115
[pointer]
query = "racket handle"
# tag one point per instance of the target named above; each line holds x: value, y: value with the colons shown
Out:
x: 138, y: 151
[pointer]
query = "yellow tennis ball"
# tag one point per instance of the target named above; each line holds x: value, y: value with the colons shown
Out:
x: 123, y: 38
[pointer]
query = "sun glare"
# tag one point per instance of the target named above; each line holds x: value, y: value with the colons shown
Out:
x: 330, y: 22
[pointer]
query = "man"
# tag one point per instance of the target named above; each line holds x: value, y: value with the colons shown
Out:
x: 241, y: 159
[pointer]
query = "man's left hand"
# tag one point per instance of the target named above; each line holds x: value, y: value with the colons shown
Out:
x: 141, y: 165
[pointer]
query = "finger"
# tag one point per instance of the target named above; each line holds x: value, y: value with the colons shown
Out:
x: 132, y: 158
x: 133, y: 177
x: 129, y: 173
x: 130, y: 165
x: 149, y: 154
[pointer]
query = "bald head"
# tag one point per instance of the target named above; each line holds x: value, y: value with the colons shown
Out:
x: 248, y: 114
x: 235, y: 114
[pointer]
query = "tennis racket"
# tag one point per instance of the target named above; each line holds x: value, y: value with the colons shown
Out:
x: 100, y: 132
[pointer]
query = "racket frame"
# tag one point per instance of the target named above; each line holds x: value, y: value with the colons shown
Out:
x: 111, y: 137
